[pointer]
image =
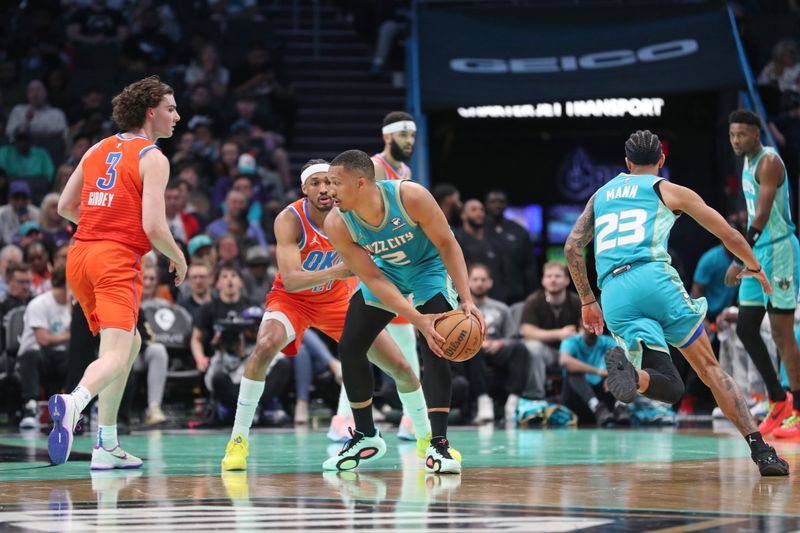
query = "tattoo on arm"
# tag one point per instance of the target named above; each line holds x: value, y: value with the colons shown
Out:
x: 580, y: 236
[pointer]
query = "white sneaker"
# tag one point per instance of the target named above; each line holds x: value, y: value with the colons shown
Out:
x: 406, y: 429
x: 439, y: 460
x: 30, y: 419
x: 103, y: 459
x: 359, y: 450
x: 65, y: 417
x: 510, y: 410
x: 485, y: 409
x: 301, y: 412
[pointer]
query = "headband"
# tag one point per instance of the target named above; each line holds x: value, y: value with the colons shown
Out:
x: 403, y: 125
x: 313, y: 169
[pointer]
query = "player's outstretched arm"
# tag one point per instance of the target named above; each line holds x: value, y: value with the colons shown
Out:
x: 154, y: 170
x: 359, y: 261
x: 678, y: 198
x: 581, y: 235
x: 423, y: 209
x: 288, y: 234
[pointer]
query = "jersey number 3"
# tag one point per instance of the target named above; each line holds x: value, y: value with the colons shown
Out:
x: 106, y: 183
x: 614, y: 229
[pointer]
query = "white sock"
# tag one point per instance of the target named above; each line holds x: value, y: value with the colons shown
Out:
x: 343, y: 409
x: 82, y: 397
x: 414, y: 404
x: 250, y: 392
x: 107, y: 437
x: 593, y: 403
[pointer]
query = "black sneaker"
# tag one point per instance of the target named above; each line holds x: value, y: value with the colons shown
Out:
x: 603, y: 416
x: 622, y: 417
x: 623, y: 379
x: 769, y: 464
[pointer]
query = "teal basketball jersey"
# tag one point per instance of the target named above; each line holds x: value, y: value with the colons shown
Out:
x: 631, y: 224
x: 779, y: 225
x: 398, y: 245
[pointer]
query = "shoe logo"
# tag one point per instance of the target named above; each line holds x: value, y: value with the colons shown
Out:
x: 238, y: 440
x: 751, y: 440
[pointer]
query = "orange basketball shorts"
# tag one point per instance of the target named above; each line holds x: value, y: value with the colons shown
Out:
x: 297, y: 314
x: 106, y: 279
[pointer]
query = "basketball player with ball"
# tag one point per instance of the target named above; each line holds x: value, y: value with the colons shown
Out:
x: 395, y: 238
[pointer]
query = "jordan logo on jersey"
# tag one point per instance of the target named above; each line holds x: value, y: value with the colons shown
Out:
x: 319, y: 260
x: 314, y: 240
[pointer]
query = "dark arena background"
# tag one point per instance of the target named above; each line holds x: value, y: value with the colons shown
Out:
x: 521, y: 111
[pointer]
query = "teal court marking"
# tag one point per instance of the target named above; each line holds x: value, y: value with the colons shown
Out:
x: 193, y: 453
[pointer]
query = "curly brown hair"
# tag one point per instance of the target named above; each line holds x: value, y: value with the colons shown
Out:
x: 130, y: 106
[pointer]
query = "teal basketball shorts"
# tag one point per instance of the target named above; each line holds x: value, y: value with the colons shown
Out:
x: 781, y: 264
x: 423, y: 282
x: 649, y: 305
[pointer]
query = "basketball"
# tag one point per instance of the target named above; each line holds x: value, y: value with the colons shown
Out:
x: 462, y: 335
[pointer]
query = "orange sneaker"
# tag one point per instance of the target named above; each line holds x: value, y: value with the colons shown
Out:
x: 778, y: 411
x: 790, y: 427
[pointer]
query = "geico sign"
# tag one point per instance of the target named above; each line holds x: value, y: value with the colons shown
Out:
x: 597, y: 60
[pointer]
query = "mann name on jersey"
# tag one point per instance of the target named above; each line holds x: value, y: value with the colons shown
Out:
x: 628, y: 191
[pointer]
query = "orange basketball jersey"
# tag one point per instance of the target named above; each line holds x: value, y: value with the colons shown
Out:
x: 317, y: 253
x: 111, y: 199
x: 389, y: 171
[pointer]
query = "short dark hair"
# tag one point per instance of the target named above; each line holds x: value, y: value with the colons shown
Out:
x: 497, y: 191
x: 355, y: 160
x: 312, y: 162
x: 473, y: 266
x: 58, y: 277
x: 15, y: 267
x: 230, y: 267
x: 442, y: 191
x: 396, y: 116
x: 174, y: 184
x: 130, y: 106
x: 643, y: 148
x: 744, y: 116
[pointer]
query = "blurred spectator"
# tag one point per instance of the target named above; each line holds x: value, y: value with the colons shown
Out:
x: 225, y: 10
x: 243, y: 183
x: 228, y: 249
x: 29, y: 232
x: 235, y: 209
x: 19, y: 279
x: 183, y: 225
x: 11, y: 253
x: 148, y: 48
x: 208, y: 70
x: 583, y: 359
x: 313, y: 359
x: 506, y: 357
x: 63, y: 174
x: 478, y: 247
x: 449, y: 200
x: 256, y: 76
x: 201, y: 248
x: 783, y: 69
x: 229, y: 303
x: 97, y: 24
x: 30, y: 163
x: 38, y: 37
x: 709, y: 280
x: 43, y: 346
x: 91, y: 120
x: 393, y: 27
x: 38, y: 257
x: 550, y: 315
x: 520, y: 274
x: 166, y: 15
x: 60, y: 255
x: 198, y: 279
x: 80, y: 145
x: 256, y: 275
x: 17, y: 211
x: 201, y: 112
x: 153, y: 357
x: 54, y: 227
x: 38, y: 118
x: 786, y: 129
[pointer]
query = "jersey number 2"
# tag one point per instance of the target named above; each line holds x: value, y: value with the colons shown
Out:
x: 612, y: 225
x: 106, y: 183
